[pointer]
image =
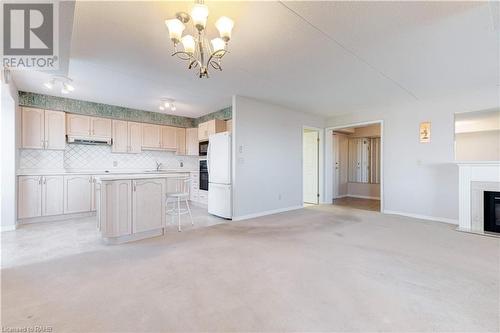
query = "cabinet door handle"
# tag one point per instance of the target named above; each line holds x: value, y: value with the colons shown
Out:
x: 134, y: 185
x: 40, y: 180
x: 44, y: 180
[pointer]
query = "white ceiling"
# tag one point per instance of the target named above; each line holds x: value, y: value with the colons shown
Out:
x: 320, y: 57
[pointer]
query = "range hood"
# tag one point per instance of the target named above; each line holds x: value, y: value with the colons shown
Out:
x: 89, y: 141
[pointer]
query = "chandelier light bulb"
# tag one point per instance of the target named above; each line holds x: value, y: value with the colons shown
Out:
x: 189, y: 44
x: 161, y: 108
x: 68, y: 87
x: 64, y: 90
x: 175, y: 28
x: 49, y: 85
x: 166, y: 104
x: 199, y: 14
x: 225, y: 25
x: 218, y: 44
x: 172, y: 107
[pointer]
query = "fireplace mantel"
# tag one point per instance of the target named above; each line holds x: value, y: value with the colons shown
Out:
x: 474, y: 179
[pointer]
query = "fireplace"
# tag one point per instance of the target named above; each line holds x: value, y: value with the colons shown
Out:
x: 492, y: 211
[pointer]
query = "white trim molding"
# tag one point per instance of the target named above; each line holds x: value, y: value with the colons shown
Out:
x: 267, y: 212
x: 5, y: 228
x: 362, y: 196
x: 422, y: 217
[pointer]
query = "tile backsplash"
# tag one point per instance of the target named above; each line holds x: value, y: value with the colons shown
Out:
x: 99, y: 157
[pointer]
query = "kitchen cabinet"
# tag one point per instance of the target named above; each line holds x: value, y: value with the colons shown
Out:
x: 77, y: 194
x: 115, y: 208
x: 134, y: 137
x: 181, y: 141
x: 148, y: 204
x: 169, y: 138
x: 151, y: 136
x: 40, y: 196
x: 77, y: 125
x: 93, y: 198
x: 229, y: 125
x: 210, y: 127
x: 192, y: 146
x: 43, y: 129
x: 127, y: 137
x: 29, y: 196
x: 88, y: 127
x: 193, y: 191
x: 100, y: 128
x: 52, y: 195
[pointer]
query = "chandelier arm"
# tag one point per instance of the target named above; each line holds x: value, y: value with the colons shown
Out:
x: 215, y: 54
x: 188, y: 55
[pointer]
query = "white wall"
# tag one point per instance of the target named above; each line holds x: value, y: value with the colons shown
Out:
x: 478, y: 146
x: 9, y: 120
x: 420, y: 179
x: 363, y: 190
x: 267, y: 156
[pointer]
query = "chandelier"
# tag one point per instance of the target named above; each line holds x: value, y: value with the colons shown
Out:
x: 197, y: 51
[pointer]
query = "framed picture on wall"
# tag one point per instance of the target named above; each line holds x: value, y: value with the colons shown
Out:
x: 425, y: 132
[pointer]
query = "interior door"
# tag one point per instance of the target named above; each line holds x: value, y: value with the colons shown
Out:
x: 310, y: 166
x: 336, y: 165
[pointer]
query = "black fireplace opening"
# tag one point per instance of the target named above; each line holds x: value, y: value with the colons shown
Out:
x: 492, y: 211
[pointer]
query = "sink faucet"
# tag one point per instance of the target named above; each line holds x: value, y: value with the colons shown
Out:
x: 158, y: 166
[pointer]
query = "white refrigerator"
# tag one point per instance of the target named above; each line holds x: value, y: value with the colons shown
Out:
x: 219, y: 175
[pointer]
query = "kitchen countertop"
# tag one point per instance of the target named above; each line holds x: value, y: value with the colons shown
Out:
x: 99, y: 172
x: 150, y: 175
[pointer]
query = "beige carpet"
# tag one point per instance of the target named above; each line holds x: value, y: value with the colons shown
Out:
x: 316, y: 269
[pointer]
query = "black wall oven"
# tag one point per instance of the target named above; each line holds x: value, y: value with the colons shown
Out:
x: 203, y: 175
x: 203, y: 148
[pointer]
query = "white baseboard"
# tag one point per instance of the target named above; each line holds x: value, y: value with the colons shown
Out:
x: 362, y: 197
x: 267, y: 212
x: 422, y: 217
x: 8, y: 227
x: 54, y: 218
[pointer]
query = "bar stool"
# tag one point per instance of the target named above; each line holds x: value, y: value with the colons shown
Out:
x: 181, y: 194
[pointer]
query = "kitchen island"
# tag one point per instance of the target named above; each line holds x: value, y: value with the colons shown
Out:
x: 132, y: 206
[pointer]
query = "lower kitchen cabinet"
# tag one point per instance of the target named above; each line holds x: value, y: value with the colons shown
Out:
x: 77, y: 194
x: 115, y: 213
x: 52, y: 195
x: 148, y: 204
x: 40, y: 196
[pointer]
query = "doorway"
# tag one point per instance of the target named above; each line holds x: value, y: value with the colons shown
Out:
x: 356, y: 166
x: 310, y: 166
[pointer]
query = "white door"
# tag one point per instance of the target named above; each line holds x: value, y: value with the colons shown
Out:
x: 33, y: 128
x: 219, y: 158
x: 52, y: 195
x: 116, y: 215
x: 336, y: 165
x: 134, y: 137
x: 77, y: 125
x: 120, y: 137
x: 310, y: 166
x: 77, y: 194
x: 148, y: 204
x: 55, y: 130
x: 29, y: 196
x: 101, y: 128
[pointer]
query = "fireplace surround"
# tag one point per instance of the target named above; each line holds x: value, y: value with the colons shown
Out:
x: 476, y: 179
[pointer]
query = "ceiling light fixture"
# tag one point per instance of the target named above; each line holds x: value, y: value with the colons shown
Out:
x: 196, y: 50
x: 64, y: 81
x: 167, y: 103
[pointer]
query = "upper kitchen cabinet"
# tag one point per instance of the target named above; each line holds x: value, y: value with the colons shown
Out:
x: 229, y: 125
x: 192, y: 146
x: 169, y: 138
x: 77, y: 125
x: 85, y: 127
x: 43, y: 129
x: 127, y: 137
x: 210, y: 127
x: 151, y: 136
x: 181, y: 141
x: 100, y: 127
